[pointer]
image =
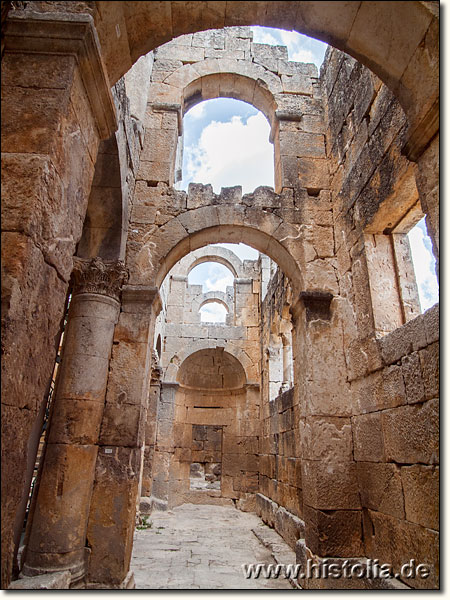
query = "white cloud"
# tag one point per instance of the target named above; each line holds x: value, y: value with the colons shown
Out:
x: 213, y: 284
x: 213, y: 312
x: 301, y: 48
x: 197, y: 111
x: 263, y: 37
x: 424, y: 267
x: 232, y: 153
x: 304, y: 56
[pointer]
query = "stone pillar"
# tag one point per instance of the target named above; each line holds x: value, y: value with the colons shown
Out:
x: 331, y: 501
x: 56, y: 106
x: 164, y: 447
x: 150, y: 436
x: 58, y: 532
x: 121, y: 442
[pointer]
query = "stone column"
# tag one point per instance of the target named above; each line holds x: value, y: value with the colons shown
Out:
x: 121, y: 442
x: 58, y: 532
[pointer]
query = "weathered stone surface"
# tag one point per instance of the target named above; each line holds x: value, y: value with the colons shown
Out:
x: 399, y: 542
x: 411, y: 433
x: 54, y: 581
x: 360, y: 385
x: 333, y: 533
x: 330, y: 486
x: 380, y: 487
x: 111, y: 526
x: 421, y: 489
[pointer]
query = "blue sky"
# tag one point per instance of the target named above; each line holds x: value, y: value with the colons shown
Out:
x: 226, y: 143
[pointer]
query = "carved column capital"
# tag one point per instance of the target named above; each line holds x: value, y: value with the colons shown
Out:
x: 95, y: 276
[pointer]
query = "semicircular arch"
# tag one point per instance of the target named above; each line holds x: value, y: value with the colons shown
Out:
x: 171, y: 372
x: 216, y: 254
x: 154, y: 257
x: 364, y: 30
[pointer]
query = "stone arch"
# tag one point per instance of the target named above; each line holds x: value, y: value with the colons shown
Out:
x: 177, y: 360
x: 210, y: 298
x: 188, y: 376
x: 155, y: 253
x: 226, y: 78
x: 105, y: 226
x: 223, y: 256
x: 363, y: 30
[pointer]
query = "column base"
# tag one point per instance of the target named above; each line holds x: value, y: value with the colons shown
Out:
x: 75, y: 563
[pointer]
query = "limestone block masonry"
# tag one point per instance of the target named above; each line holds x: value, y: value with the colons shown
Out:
x: 316, y: 403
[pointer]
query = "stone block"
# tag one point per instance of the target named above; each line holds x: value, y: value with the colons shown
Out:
x: 421, y: 490
x: 313, y: 173
x: 63, y: 501
x: 403, y: 341
x: 333, y: 533
x: 412, y: 376
x: 122, y: 425
x: 50, y: 581
x: 329, y: 485
x: 429, y: 360
x: 327, y: 438
x: 431, y: 324
x: 112, y: 514
x: 397, y: 542
x: 368, y: 437
x: 411, y: 433
x: 380, y: 487
x: 75, y: 421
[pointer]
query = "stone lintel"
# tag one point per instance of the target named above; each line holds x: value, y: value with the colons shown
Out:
x: 421, y: 136
x: 141, y: 299
x: 72, y: 34
x: 179, y: 278
x: 317, y: 304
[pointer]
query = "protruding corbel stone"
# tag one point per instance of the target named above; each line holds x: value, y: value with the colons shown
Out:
x: 317, y: 304
x: 95, y: 276
x: 142, y: 299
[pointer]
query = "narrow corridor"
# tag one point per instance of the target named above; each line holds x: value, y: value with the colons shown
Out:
x: 204, y: 547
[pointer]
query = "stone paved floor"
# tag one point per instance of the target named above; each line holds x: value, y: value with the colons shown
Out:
x: 200, y: 547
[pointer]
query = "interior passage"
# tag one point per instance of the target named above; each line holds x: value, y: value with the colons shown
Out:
x: 204, y: 547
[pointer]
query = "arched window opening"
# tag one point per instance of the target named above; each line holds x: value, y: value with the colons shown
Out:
x: 212, y: 276
x: 213, y: 312
x: 226, y: 143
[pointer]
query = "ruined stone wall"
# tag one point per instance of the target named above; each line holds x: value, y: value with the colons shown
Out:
x: 393, y: 369
x: 279, y: 501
